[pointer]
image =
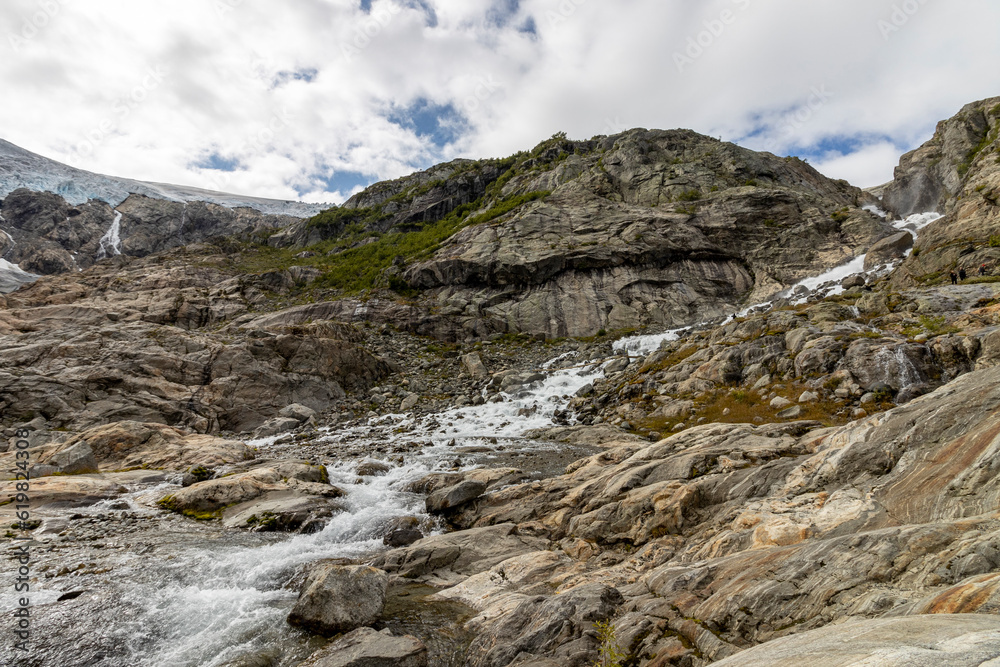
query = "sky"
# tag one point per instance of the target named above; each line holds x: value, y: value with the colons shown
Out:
x: 315, y: 99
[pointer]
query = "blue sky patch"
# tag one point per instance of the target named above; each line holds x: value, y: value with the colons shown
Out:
x: 441, y: 123
x: 343, y: 181
x: 307, y: 74
x: 217, y: 162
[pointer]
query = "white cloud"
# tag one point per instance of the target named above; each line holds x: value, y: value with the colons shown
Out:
x: 865, y: 167
x: 153, y: 90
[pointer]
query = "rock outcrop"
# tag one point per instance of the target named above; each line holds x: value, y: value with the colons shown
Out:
x: 726, y: 535
x: 44, y: 234
x: 365, y: 647
x: 132, y: 340
x: 957, y: 174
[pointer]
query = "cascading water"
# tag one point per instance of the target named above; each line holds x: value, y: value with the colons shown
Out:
x: 111, y: 242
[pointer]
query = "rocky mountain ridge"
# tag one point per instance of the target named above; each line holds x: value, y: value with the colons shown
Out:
x: 760, y: 489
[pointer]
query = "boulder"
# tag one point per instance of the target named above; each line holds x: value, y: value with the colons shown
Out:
x: 780, y: 403
x: 365, y: 647
x: 373, y: 468
x: 298, y: 412
x: 455, y: 496
x: 75, y: 459
x: 282, y: 511
x: 276, y: 426
x: 853, y: 280
x: 888, y: 249
x: 340, y: 598
x: 409, y: 402
x: 473, y: 365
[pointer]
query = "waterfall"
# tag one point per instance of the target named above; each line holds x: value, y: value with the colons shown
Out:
x: 111, y: 241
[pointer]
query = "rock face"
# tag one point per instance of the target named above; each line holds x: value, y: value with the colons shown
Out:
x: 930, y: 177
x: 956, y: 173
x: 132, y: 340
x: 640, y: 228
x: 365, y: 647
x: 629, y: 237
x: 339, y: 598
x: 47, y: 235
x: 921, y: 641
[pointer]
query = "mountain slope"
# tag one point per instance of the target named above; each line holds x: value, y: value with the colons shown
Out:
x: 642, y: 228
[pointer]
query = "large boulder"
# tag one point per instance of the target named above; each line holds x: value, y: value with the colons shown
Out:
x: 340, y: 598
x: 365, y: 647
x: 888, y: 249
x: 452, y: 497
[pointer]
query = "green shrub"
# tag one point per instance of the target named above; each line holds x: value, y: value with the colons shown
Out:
x: 610, y: 653
x: 693, y: 194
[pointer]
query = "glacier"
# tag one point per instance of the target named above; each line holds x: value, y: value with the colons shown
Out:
x: 20, y: 168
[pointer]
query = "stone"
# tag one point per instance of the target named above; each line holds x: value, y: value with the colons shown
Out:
x: 402, y: 537
x: 473, y: 365
x: 409, y: 402
x: 340, y: 598
x: 366, y: 647
x: 276, y: 426
x: 297, y: 411
x: 453, y: 497
x: 779, y: 403
x: 853, y: 280
x: 373, y: 469
x: 793, y: 412
x: 75, y: 459
x: 617, y: 365
x: 808, y: 397
x: 888, y: 249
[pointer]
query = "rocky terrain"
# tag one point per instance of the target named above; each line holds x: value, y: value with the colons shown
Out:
x: 256, y: 462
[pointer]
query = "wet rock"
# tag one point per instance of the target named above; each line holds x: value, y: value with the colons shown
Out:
x: 853, y: 280
x: 373, y: 469
x: 888, y: 249
x: 452, y: 497
x: 337, y: 598
x: 402, y: 537
x: 365, y: 647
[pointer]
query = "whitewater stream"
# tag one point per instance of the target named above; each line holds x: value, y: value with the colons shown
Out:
x: 195, y: 594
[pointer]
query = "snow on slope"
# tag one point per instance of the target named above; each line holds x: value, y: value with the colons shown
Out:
x: 23, y: 169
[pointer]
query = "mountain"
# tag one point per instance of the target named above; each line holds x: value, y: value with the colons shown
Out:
x: 23, y: 169
x: 660, y: 228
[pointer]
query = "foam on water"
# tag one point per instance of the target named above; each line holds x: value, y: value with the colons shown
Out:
x: 643, y: 345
